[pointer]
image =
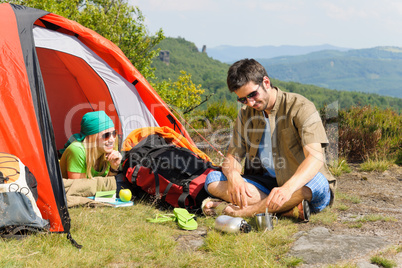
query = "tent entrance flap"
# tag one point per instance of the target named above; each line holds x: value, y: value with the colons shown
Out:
x: 74, y: 74
x: 72, y: 89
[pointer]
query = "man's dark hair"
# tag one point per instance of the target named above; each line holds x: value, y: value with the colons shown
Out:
x: 244, y: 71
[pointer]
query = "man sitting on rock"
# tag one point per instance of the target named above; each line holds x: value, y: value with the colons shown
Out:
x: 281, y: 137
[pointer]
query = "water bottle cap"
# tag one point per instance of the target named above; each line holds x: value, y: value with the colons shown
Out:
x: 245, y: 227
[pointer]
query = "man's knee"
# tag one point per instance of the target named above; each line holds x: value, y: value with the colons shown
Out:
x: 216, y: 187
x: 307, y: 194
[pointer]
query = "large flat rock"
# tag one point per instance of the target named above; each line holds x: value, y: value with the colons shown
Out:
x: 319, y: 246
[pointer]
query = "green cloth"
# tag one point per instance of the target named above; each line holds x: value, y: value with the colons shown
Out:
x: 91, y: 123
x: 74, y: 160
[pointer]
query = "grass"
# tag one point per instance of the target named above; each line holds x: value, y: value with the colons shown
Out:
x: 340, y: 166
x: 384, y: 258
x: 326, y: 217
x: 383, y: 262
x: 376, y: 217
x: 342, y: 207
x: 352, y: 198
x: 121, y: 237
x: 368, y: 218
x: 375, y: 165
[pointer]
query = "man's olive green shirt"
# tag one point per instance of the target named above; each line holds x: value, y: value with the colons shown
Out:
x: 295, y: 122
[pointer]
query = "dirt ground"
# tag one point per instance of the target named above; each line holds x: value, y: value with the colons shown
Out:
x: 380, y: 194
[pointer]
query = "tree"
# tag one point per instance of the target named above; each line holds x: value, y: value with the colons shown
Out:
x: 182, y: 94
x: 115, y: 20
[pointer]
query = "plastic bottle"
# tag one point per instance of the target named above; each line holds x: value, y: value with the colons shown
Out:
x: 230, y: 224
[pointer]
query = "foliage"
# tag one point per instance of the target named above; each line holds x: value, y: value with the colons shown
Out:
x: 182, y: 94
x: 339, y: 166
x: 369, y: 133
x: 375, y: 217
x: 398, y: 160
x: 375, y: 165
x: 211, y: 74
x: 220, y: 114
x: 342, y: 99
x: 115, y: 20
x: 204, y: 70
x: 352, y: 198
x: 383, y: 262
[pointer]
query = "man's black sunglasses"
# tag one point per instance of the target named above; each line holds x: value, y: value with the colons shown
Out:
x: 249, y: 96
x: 107, y: 135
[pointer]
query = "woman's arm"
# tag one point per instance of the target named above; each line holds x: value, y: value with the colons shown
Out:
x: 75, y: 175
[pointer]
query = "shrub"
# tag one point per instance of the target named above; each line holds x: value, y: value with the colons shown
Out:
x: 398, y: 160
x: 368, y: 132
x: 338, y: 167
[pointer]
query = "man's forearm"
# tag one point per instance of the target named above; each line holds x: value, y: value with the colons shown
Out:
x: 308, y: 168
x: 230, y: 166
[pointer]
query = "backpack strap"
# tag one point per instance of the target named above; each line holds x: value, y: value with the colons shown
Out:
x: 166, y: 191
x: 184, y: 196
x: 157, y: 191
x: 135, y: 173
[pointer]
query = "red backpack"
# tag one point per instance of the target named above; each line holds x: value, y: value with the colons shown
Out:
x: 173, y: 174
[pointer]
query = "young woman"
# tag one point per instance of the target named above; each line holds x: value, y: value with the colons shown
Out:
x: 91, y: 152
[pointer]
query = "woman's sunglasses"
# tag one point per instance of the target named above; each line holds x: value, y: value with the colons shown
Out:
x: 253, y: 94
x: 107, y: 135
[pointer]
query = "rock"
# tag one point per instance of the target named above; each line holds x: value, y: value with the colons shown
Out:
x: 191, y: 241
x: 364, y: 264
x: 319, y: 246
x: 399, y: 260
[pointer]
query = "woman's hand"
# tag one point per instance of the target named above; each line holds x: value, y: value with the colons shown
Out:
x: 114, y: 158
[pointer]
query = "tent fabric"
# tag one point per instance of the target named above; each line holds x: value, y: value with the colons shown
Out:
x: 109, y: 87
x: 52, y: 71
x: 115, y: 58
x: 24, y: 130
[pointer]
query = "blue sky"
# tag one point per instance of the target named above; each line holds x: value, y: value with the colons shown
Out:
x: 343, y: 23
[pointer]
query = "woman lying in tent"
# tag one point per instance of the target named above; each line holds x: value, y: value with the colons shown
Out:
x: 91, y: 153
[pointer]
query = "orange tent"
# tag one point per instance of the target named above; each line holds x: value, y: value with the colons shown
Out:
x: 53, y: 71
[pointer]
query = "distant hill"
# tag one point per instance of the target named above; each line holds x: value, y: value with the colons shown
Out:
x: 375, y: 70
x: 211, y: 74
x: 184, y: 55
x: 230, y: 54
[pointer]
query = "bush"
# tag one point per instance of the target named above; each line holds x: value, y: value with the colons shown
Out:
x: 217, y: 115
x: 368, y: 132
x: 398, y: 160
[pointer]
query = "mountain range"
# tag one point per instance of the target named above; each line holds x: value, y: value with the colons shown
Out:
x: 211, y: 74
x: 230, y: 54
x: 373, y: 70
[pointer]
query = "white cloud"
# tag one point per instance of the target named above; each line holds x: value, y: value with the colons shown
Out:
x: 340, y: 11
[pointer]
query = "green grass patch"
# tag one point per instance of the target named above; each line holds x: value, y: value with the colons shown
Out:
x: 382, y: 262
x: 342, y: 207
x: 376, y: 217
x: 121, y: 237
x: 352, y: 198
x: 375, y: 165
x: 326, y: 217
x: 367, y: 218
x: 340, y: 166
x: 356, y: 225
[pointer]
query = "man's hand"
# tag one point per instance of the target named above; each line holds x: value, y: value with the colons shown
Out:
x: 114, y: 158
x: 278, y: 197
x: 310, y: 166
x: 238, y: 190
